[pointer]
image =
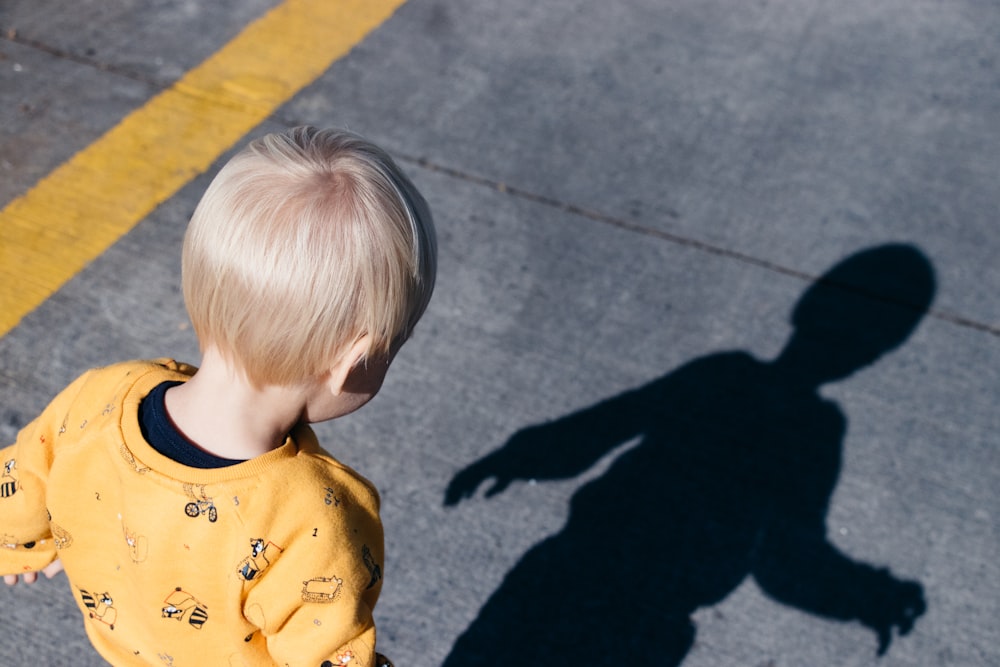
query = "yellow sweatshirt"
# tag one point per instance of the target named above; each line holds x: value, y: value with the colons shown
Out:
x: 276, y: 560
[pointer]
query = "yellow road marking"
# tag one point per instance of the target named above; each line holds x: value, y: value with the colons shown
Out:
x: 80, y: 209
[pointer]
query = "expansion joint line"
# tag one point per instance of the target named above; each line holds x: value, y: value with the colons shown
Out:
x: 686, y: 241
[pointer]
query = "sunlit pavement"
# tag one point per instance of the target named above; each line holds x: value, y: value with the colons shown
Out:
x: 625, y: 193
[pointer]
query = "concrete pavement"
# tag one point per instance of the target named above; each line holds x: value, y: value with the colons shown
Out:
x: 625, y: 192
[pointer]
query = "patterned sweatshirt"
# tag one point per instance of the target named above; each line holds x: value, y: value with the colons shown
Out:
x: 275, y: 560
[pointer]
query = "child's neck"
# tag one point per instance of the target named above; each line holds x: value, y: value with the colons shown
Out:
x: 225, y: 415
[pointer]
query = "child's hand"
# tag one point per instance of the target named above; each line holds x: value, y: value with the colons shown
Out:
x: 50, y: 570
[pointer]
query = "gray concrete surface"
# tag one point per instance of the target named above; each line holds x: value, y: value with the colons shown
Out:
x: 621, y: 189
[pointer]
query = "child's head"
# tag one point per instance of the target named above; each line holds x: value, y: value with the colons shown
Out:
x: 303, y: 244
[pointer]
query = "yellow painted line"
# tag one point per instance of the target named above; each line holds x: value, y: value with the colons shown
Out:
x: 80, y: 209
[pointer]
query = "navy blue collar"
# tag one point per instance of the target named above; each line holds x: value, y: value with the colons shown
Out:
x: 160, y: 432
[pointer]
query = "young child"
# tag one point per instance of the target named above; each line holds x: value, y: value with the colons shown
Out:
x: 197, y: 518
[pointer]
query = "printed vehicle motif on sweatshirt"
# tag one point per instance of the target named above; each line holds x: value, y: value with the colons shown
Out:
x: 60, y: 536
x: 100, y: 607
x: 259, y: 559
x: 322, y: 589
x: 8, y: 481
x: 373, y: 568
x: 138, y: 545
x: 180, y: 605
x: 131, y: 460
x: 341, y: 659
x: 200, y: 503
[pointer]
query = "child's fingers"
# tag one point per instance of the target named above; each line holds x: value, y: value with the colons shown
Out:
x: 53, y: 568
x: 50, y: 570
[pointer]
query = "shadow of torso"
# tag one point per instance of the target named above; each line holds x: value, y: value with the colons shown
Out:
x: 726, y: 452
x: 732, y: 474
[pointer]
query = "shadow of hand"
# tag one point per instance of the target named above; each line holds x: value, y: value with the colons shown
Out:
x: 731, y: 473
x: 898, y: 605
x: 526, y: 455
x: 464, y: 485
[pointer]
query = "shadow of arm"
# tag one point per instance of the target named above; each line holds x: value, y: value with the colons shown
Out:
x: 559, y: 449
x: 802, y: 569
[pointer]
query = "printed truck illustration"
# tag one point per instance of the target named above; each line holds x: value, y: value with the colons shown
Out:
x: 321, y: 589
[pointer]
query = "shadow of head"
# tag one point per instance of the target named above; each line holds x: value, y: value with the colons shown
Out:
x: 731, y: 476
x: 862, y: 308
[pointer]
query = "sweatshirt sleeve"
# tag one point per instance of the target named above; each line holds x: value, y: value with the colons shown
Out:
x: 314, y: 602
x: 26, y: 541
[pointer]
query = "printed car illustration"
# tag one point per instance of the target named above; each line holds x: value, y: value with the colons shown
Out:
x: 100, y: 607
x: 138, y: 545
x: 259, y: 558
x: 180, y: 604
x: 8, y: 482
x: 373, y: 569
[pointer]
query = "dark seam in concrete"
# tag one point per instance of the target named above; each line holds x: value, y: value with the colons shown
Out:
x: 685, y: 241
x: 10, y: 35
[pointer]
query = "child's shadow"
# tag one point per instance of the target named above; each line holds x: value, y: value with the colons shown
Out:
x: 732, y: 476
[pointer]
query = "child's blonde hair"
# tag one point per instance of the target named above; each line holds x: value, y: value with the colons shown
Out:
x: 303, y: 243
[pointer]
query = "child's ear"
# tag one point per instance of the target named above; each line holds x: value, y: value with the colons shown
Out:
x: 346, y: 363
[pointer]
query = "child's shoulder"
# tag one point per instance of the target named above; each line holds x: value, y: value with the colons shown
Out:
x: 141, y: 366
x: 128, y: 372
x: 113, y: 382
x: 310, y: 493
x: 327, y: 471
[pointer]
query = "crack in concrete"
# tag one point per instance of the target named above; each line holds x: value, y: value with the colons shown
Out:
x: 10, y: 35
x: 689, y: 242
